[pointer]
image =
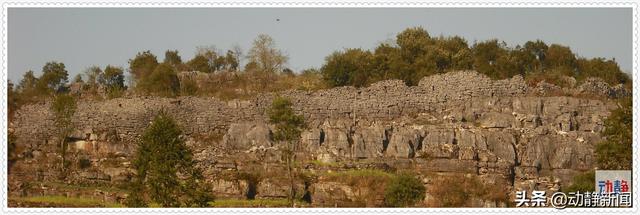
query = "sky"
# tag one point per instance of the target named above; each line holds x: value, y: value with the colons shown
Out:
x: 82, y: 37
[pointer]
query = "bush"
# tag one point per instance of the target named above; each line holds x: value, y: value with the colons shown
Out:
x: 163, y: 81
x: 614, y: 153
x: 552, y: 77
x: 584, y: 182
x: 189, y: 87
x: 368, y: 185
x: 84, y: 163
x: 457, y: 191
x: 404, y: 190
x: 11, y: 151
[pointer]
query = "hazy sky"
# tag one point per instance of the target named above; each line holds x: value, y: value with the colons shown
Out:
x: 83, y: 37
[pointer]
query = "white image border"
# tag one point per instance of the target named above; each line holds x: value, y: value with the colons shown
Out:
x: 313, y: 4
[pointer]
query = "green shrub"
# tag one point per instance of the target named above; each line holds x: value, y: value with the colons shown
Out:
x: 584, y: 182
x: 163, y: 81
x: 614, y: 153
x: 404, y: 190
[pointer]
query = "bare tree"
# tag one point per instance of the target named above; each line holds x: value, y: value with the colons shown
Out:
x: 265, y: 54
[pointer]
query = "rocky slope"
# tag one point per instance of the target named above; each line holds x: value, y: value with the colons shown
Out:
x: 505, y: 132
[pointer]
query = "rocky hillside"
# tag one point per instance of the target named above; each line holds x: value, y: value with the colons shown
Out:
x: 460, y: 124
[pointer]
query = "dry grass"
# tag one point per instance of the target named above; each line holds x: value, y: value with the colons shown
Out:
x: 458, y: 191
x: 62, y: 201
x: 228, y: 86
x: 245, y: 203
x: 368, y: 185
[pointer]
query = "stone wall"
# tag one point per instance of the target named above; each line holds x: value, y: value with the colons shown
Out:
x: 385, y: 100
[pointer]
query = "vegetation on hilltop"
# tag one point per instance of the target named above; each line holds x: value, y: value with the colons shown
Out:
x: 413, y: 55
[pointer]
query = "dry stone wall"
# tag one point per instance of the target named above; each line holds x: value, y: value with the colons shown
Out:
x: 385, y: 100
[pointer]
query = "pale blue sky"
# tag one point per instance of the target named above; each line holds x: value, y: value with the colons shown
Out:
x: 83, y: 37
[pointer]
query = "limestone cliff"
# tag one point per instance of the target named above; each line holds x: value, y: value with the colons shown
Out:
x: 505, y: 132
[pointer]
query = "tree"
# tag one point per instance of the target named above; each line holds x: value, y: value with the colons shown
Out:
x: 29, y: 81
x: 237, y: 52
x: 288, y: 128
x: 413, y: 42
x: 265, y: 54
x: 78, y: 79
x: 199, y: 63
x: 165, y: 169
x: 27, y: 88
x: 537, y: 49
x: 54, y: 78
x: 614, y: 153
x: 492, y: 59
x: 351, y: 67
x: 232, y: 61
x: 63, y: 108
x: 113, y: 80
x: 142, y: 65
x: 456, y: 53
x: 608, y: 70
x: 404, y: 190
x: 172, y: 58
x: 12, y: 156
x: 210, y: 54
x: 93, y: 73
x: 12, y: 100
x: 220, y: 63
x: 163, y: 81
x: 561, y: 59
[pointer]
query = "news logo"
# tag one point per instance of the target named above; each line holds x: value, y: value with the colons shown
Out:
x: 613, y: 181
x: 612, y: 189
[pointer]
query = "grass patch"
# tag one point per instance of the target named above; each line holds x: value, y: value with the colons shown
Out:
x: 457, y: 191
x: 246, y: 203
x: 324, y: 164
x: 368, y: 185
x: 84, y: 187
x: 62, y: 201
x: 360, y: 173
